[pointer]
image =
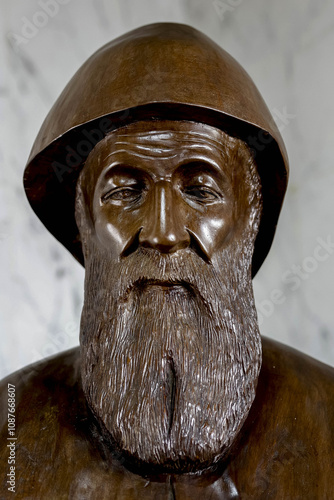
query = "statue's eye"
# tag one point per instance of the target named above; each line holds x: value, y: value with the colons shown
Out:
x: 123, y: 194
x: 201, y: 193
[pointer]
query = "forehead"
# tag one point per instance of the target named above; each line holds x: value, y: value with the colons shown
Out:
x: 159, y: 147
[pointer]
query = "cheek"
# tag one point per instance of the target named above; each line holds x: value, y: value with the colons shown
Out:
x: 213, y: 230
x: 115, y: 228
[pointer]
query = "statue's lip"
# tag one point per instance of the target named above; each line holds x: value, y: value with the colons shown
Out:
x: 166, y: 284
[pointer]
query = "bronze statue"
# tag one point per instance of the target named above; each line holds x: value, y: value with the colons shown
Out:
x: 163, y: 173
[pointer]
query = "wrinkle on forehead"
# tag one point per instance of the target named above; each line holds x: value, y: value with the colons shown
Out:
x: 144, y: 152
x: 165, y: 142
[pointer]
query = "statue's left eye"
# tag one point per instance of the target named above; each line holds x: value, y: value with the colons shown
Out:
x: 201, y: 193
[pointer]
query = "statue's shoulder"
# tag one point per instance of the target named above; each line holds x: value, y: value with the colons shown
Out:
x: 47, y: 384
x: 65, y: 362
x: 38, y: 380
x: 298, y: 387
x: 44, y: 414
x: 286, y: 445
x: 291, y: 370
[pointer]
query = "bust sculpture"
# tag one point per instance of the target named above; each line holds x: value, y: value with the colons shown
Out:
x: 161, y: 170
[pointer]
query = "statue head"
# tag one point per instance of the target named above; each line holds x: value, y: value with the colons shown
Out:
x: 151, y: 146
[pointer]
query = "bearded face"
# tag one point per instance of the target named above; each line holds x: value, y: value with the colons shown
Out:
x: 171, y: 350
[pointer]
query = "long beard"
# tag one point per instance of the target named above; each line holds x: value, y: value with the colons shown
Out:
x: 170, y: 371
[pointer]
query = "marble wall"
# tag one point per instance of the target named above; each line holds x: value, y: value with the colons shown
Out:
x: 287, y: 46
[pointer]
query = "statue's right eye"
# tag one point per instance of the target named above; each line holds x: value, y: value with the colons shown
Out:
x: 123, y: 195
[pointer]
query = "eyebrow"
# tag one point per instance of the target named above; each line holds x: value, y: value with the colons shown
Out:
x: 211, y: 168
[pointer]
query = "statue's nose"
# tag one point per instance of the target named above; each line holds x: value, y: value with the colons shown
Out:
x: 164, y: 229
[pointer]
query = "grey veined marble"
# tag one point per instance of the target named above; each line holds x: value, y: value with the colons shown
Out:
x: 287, y: 47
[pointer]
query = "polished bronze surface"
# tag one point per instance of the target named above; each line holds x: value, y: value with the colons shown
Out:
x: 166, y: 71
x: 285, y: 448
x: 168, y: 212
x: 167, y: 185
x: 166, y: 180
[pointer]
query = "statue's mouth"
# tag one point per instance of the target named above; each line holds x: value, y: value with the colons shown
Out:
x: 166, y: 283
x: 169, y: 284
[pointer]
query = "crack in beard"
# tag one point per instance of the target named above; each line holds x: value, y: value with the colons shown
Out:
x: 171, y: 353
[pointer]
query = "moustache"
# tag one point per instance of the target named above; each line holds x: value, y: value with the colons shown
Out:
x: 146, y: 268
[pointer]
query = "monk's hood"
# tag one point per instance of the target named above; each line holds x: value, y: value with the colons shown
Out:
x: 166, y: 71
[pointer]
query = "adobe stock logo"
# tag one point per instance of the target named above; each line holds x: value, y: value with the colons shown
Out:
x: 294, y: 276
x: 31, y: 27
x: 77, y: 153
x: 223, y: 8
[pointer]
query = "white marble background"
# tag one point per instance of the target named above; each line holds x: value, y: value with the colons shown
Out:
x: 287, y: 46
